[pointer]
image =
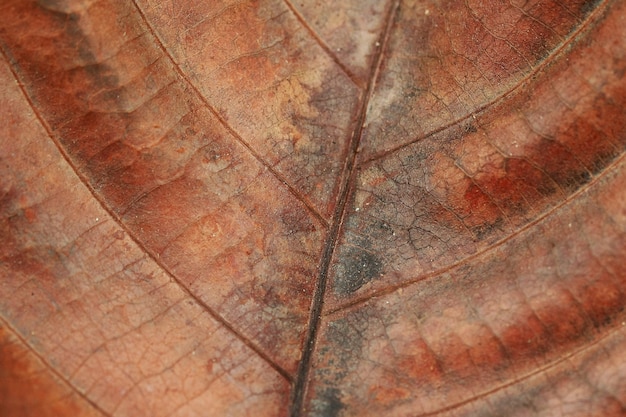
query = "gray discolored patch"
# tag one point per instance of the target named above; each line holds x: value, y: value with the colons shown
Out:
x: 356, y: 267
x: 589, y: 6
x: 328, y: 404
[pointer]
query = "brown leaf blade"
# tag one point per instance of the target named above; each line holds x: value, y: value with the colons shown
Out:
x: 172, y: 174
x: 325, y: 209
x: 476, y: 261
x: 103, y: 314
x: 22, y: 372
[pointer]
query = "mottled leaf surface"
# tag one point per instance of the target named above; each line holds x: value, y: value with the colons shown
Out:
x: 307, y: 208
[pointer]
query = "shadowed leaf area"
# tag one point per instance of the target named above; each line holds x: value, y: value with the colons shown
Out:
x: 400, y: 208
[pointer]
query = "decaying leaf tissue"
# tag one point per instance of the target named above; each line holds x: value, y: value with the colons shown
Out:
x: 312, y: 209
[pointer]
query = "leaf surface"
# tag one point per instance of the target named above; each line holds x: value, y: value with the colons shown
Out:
x: 269, y: 208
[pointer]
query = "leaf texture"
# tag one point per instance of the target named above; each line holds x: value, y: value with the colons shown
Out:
x: 281, y: 207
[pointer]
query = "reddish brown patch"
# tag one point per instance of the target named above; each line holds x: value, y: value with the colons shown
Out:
x: 563, y: 319
x: 386, y: 392
x: 454, y: 357
x: 30, y: 214
x: 603, y: 301
x: 28, y: 387
x: 481, y: 205
x: 486, y: 352
x: 527, y: 338
x: 422, y: 365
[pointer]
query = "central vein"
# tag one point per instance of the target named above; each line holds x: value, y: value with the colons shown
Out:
x: 302, y: 376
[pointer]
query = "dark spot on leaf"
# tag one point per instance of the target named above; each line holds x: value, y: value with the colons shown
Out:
x: 471, y: 128
x: 328, y: 404
x: 296, y: 221
x: 589, y: 6
x: 485, y: 230
x: 345, y: 344
x: 356, y: 268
